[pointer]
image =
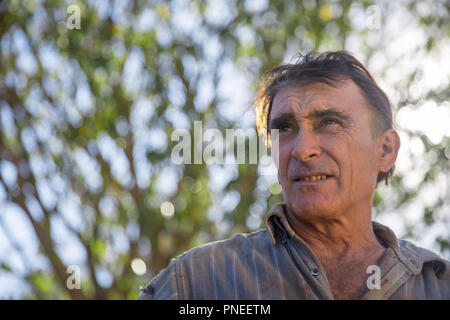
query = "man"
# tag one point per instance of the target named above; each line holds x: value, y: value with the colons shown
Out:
x: 336, y: 142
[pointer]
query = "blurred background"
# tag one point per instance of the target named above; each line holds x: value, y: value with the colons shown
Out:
x: 90, y: 93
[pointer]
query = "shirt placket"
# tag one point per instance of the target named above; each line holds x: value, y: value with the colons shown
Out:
x: 310, y: 267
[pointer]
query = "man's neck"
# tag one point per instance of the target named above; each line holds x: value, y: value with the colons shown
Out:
x: 345, y: 246
x: 340, y: 237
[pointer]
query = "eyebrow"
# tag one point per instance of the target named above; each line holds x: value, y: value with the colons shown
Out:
x: 331, y: 112
x: 315, y: 114
x: 281, y: 119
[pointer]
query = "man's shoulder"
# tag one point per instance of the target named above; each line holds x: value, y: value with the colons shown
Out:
x: 206, y: 270
x: 238, y: 244
x: 423, y: 258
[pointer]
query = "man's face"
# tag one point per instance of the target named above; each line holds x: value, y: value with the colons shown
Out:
x: 327, y: 157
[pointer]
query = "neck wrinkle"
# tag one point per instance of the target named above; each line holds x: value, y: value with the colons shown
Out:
x: 319, y: 243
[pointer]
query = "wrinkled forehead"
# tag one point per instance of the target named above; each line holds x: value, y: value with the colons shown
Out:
x: 301, y: 98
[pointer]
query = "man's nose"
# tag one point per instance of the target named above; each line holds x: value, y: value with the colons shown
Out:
x: 306, y: 146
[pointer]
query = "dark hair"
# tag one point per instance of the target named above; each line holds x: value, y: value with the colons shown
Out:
x: 331, y: 68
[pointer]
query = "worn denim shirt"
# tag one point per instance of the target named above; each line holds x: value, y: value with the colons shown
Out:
x: 276, y: 264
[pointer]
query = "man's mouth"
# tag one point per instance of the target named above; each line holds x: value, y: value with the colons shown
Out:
x: 312, y: 178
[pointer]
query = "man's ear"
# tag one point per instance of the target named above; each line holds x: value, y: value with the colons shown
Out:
x: 389, y: 144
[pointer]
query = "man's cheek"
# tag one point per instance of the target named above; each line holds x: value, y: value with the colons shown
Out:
x: 282, y: 170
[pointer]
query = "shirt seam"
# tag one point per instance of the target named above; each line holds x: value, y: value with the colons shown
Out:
x: 398, y: 284
x: 180, y: 295
x: 409, y: 264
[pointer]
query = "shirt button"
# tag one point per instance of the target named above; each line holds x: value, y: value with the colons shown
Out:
x: 315, y: 272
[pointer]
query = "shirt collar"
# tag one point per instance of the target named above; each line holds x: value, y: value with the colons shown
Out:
x: 411, y: 256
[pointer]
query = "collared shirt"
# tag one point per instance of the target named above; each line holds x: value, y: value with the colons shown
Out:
x: 275, y: 263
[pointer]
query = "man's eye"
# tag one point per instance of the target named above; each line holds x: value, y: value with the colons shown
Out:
x: 329, y: 122
x: 285, y: 128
